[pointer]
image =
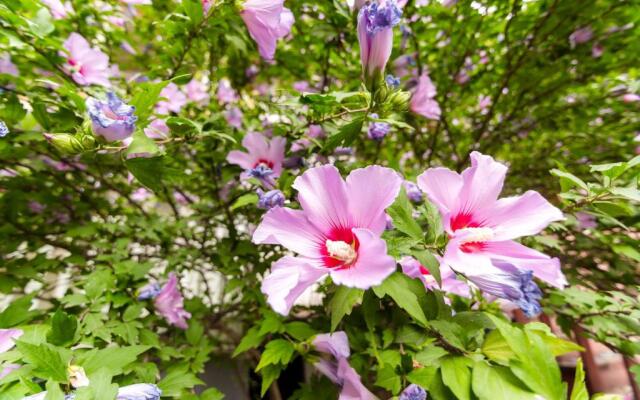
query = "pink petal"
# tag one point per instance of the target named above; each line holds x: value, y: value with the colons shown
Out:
x: 524, y: 258
x: 7, y: 337
x: 372, y: 266
x: 336, y: 344
x: 276, y: 153
x: 257, y: 144
x: 513, y: 217
x: 352, y: 387
x: 291, y: 229
x: 370, y: 191
x: 289, y: 278
x: 244, y: 160
x: 482, y: 184
x: 323, y: 196
x: 443, y: 187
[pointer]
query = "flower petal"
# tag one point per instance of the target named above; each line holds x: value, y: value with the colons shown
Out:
x: 336, y: 344
x: 244, y: 160
x: 370, y: 191
x: 323, y: 196
x: 372, y: 266
x: 352, y: 387
x: 289, y: 278
x: 256, y: 143
x: 482, y: 184
x: 443, y: 187
x: 291, y: 229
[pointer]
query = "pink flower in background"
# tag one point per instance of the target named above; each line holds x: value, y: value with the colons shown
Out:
x: 8, y: 368
x: 140, y: 194
x: 315, y: 131
x: 267, y: 21
x: 7, y: 66
x: 206, y: 6
x: 263, y: 158
x: 157, y: 129
x: 85, y: 64
x: 597, y: 50
x: 422, y: 101
x: 58, y: 9
x: 580, y: 36
x: 170, y: 304
x: 450, y: 283
x: 225, y: 93
x: 234, y: 117
x: 197, y: 92
x: 631, y: 98
x: 301, y: 86
x: 482, y: 227
x: 484, y: 102
x: 375, y: 34
x: 7, y: 337
x: 337, y: 232
x: 174, y: 102
x: 586, y: 220
x: 337, y: 367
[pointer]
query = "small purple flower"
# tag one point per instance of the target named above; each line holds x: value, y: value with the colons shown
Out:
x: 343, y: 151
x: 4, y: 131
x: 262, y: 173
x: 375, y: 34
x: 413, y: 192
x: 170, y: 304
x: 378, y: 130
x: 392, y: 81
x: 388, y: 223
x: 234, y: 117
x: 270, y: 199
x: 114, y: 119
x: 586, y: 221
x: 139, y: 391
x: 580, y: 36
x: 413, y: 392
x: 149, y: 291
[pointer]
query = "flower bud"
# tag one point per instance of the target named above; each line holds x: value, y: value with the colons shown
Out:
x: 270, y: 199
x: 399, y: 100
x: 64, y: 142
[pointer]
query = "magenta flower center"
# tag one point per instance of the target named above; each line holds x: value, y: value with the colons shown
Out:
x: 340, y: 249
x: 474, y: 238
x: 264, y: 163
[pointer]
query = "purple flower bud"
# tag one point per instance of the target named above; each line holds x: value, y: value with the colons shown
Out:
x: 378, y: 130
x: 392, y: 81
x: 270, y: 199
x: 293, y: 162
x: 413, y: 192
x: 113, y: 120
x: 343, y: 151
x: 149, y: 291
x: 4, y: 131
x: 413, y: 392
x: 139, y: 391
x: 375, y: 34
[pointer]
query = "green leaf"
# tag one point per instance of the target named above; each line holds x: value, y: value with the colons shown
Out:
x: 579, y: 390
x: 212, y: 394
x: 176, y: 381
x: 142, y: 146
x: 496, y: 348
x: 53, y: 391
x: 434, y: 222
x: 568, y: 180
x: 346, y: 135
x: 113, y: 359
x: 251, y: 339
x: 183, y: 126
x: 422, y: 376
x: 430, y: 262
x: 46, y: 359
x: 457, y: 376
x: 300, y: 330
x: 244, y: 200
x: 63, y: 328
x: 632, y: 194
x: 401, y: 212
x: 145, y: 97
x: 194, y: 10
x: 42, y: 24
x: 269, y: 374
x: 387, y: 378
x: 398, y: 287
x: 277, y: 351
x: 497, y: 383
x: 151, y: 172
x: 18, y: 312
x: 342, y: 302
x: 101, y: 386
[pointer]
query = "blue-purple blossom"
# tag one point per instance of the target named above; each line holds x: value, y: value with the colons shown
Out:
x: 149, y: 291
x: 113, y: 119
x: 392, y: 81
x: 262, y: 173
x: 139, y: 391
x: 378, y: 130
x: 4, y: 131
x: 270, y: 199
x: 381, y: 17
x: 413, y: 392
x: 343, y: 151
x: 413, y: 192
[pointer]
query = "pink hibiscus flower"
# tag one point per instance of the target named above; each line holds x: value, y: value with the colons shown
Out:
x: 482, y: 227
x: 267, y: 21
x: 85, y: 64
x: 170, y: 304
x: 174, y: 102
x: 263, y: 159
x: 337, y: 232
x: 423, y: 100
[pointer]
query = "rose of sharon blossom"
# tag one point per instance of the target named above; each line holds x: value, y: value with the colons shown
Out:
x: 58, y: 9
x: 174, y: 102
x: 139, y: 391
x: 267, y: 21
x: 580, y: 36
x: 450, y: 283
x: 482, y: 227
x: 337, y: 368
x: 423, y: 101
x: 113, y: 119
x: 226, y: 94
x: 375, y: 34
x: 197, y: 92
x: 7, y: 66
x: 7, y: 337
x: 170, y: 304
x: 337, y: 232
x: 263, y: 159
x: 270, y: 199
x: 234, y: 116
x: 85, y: 64
x: 413, y: 392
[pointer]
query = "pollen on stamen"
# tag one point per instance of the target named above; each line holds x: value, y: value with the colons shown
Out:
x: 341, y: 251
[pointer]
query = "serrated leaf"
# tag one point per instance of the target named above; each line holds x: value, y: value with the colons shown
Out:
x: 346, y: 135
x: 497, y: 383
x: 63, y: 328
x: 579, y: 390
x: 397, y: 286
x: 401, y: 212
x: 176, y: 381
x: 457, y: 376
x: 251, y: 339
x: 113, y: 359
x: 422, y: 376
x: 342, y: 302
x: 277, y: 351
x: 46, y: 359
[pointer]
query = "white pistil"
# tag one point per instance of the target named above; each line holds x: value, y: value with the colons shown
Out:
x: 472, y: 235
x: 341, y: 251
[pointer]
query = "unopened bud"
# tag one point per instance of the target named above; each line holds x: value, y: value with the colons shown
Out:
x: 399, y: 100
x: 64, y: 142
